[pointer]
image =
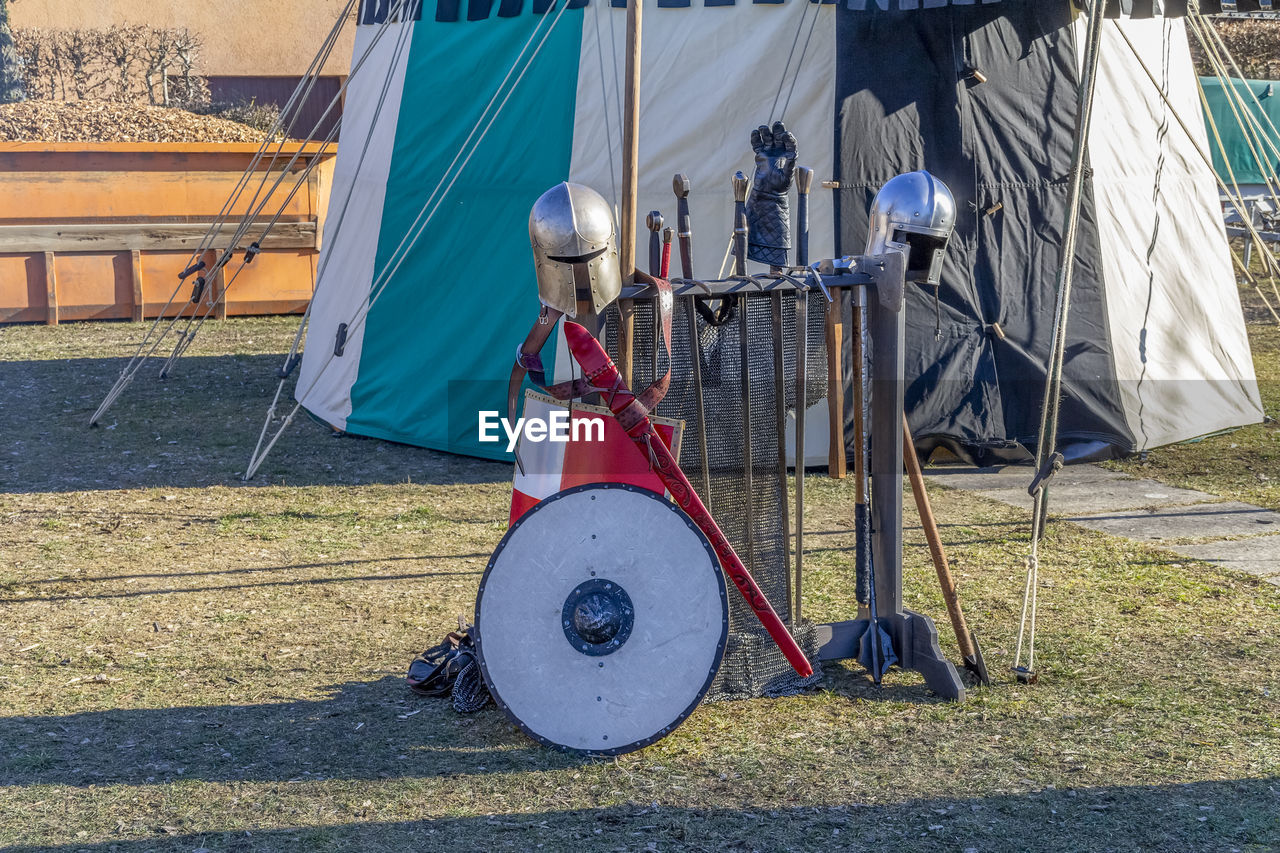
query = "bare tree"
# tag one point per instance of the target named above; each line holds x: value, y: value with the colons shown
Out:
x: 122, y: 46
x: 35, y: 50
x: 126, y: 63
x: 1254, y: 44
x: 83, y: 50
x: 186, y: 47
x: 157, y: 54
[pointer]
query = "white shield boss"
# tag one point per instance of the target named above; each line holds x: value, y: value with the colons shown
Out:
x: 601, y: 619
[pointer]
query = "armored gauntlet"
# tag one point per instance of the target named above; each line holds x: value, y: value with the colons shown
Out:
x: 768, y: 207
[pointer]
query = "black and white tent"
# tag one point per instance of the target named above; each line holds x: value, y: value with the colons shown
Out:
x: 984, y: 96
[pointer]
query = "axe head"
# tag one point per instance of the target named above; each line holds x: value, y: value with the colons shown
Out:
x: 975, y: 664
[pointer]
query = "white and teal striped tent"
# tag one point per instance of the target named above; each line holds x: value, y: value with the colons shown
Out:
x: 437, y: 343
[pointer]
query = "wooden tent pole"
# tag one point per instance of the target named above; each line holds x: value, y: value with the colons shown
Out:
x: 630, y: 185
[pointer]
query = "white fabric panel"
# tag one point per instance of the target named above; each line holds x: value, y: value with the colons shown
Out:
x: 1177, y: 330
x: 709, y: 76
x: 354, y: 219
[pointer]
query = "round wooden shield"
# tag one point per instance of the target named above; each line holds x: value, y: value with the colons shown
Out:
x: 601, y: 619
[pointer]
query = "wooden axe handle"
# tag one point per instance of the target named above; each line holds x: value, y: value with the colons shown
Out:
x: 930, y: 525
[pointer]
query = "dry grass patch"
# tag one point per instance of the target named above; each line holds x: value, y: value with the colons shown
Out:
x: 187, y: 662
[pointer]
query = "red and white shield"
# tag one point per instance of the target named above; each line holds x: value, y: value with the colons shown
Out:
x: 602, y: 619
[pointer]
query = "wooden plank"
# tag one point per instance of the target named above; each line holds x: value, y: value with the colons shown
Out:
x: 138, y: 301
x: 837, y: 465
x: 120, y: 157
x: 307, y: 148
x: 128, y: 237
x: 52, y: 197
x: 51, y: 285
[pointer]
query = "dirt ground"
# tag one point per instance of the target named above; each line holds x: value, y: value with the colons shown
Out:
x: 189, y: 662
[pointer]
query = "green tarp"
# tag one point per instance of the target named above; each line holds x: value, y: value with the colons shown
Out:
x: 1227, y: 114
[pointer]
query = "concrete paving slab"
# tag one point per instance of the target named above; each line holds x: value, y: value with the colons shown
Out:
x: 1258, y: 556
x: 1016, y: 477
x: 1196, y: 521
x: 1088, y: 495
x: 1146, y: 510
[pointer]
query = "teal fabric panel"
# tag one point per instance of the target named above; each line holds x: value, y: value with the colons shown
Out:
x: 1242, y: 160
x: 441, y: 339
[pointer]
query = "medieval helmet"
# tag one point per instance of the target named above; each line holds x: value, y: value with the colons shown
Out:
x: 915, y: 214
x: 573, y: 236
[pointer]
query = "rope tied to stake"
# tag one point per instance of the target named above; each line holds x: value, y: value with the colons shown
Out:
x: 1048, y: 460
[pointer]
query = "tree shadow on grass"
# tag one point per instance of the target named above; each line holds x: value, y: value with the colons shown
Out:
x: 361, y: 730
x: 1227, y: 815
x: 280, y: 576
x: 195, y: 430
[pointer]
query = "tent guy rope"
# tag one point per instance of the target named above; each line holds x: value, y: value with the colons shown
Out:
x: 424, y: 217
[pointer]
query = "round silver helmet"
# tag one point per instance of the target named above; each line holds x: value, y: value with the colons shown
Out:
x: 913, y: 213
x: 574, y: 244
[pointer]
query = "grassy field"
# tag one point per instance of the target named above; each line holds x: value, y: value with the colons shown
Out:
x: 192, y: 663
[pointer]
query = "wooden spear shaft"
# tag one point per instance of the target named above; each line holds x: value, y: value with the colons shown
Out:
x: 925, y: 507
x: 630, y: 185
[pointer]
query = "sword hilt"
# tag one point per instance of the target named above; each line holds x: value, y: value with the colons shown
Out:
x: 740, y: 184
x: 804, y: 182
x: 684, y: 226
x: 654, y: 223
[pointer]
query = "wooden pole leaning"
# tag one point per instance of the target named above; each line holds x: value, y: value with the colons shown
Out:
x: 630, y: 187
x: 968, y: 642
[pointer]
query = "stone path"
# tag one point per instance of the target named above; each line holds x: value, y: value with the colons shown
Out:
x: 1242, y: 537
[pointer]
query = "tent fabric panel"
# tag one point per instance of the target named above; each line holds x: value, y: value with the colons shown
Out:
x: 440, y: 339
x: 346, y: 264
x: 1178, y: 336
x: 710, y: 76
x: 1115, y: 8
x: 1005, y: 156
x: 1241, y: 160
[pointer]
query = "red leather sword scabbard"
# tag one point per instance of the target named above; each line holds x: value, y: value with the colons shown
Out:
x: 633, y: 417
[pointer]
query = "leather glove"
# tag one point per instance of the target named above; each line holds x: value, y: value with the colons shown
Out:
x: 769, y: 206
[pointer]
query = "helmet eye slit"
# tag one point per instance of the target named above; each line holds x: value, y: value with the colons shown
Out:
x: 576, y: 259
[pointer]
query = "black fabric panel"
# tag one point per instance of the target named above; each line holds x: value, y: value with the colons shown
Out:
x: 1003, y: 147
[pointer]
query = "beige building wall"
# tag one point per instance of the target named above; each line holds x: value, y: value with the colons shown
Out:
x: 242, y: 38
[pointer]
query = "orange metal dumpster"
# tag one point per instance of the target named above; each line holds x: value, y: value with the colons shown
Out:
x: 101, y: 230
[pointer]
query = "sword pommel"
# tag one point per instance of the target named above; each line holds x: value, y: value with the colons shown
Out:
x: 740, y: 184
x: 654, y: 221
x: 680, y: 185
